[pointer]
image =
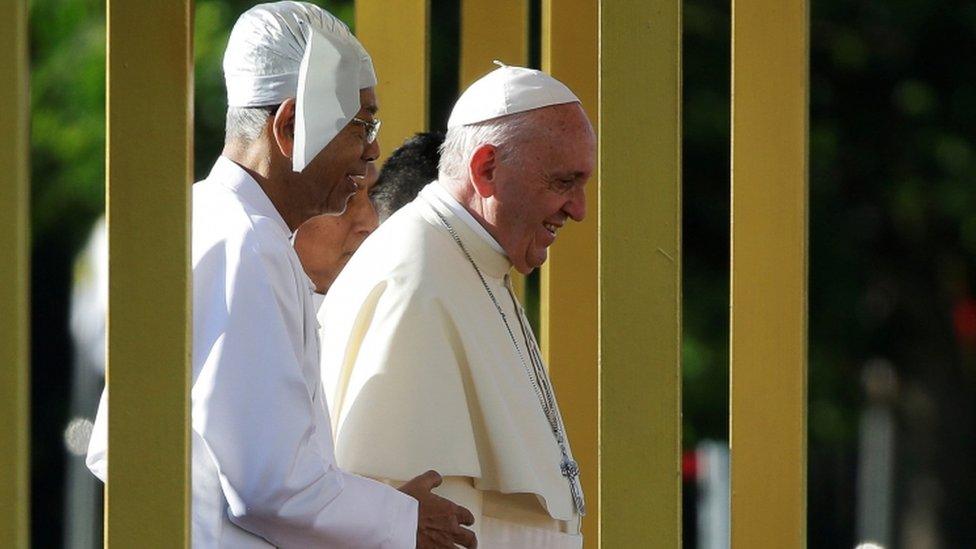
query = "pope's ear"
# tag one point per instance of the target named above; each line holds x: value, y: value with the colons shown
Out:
x: 283, y: 127
x: 482, y: 167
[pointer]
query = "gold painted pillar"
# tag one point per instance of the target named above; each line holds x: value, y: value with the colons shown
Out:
x: 569, y: 280
x: 14, y: 282
x: 769, y: 273
x: 493, y: 30
x: 396, y: 33
x: 149, y: 172
x: 640, y: 273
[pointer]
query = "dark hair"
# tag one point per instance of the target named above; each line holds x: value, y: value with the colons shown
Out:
x: 406, y: 171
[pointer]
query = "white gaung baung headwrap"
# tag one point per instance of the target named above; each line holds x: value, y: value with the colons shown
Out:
x: 296, y: 49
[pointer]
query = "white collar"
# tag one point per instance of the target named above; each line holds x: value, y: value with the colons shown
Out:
x: 447, y: 199
x: 317, y: 300
x: 229, y: 174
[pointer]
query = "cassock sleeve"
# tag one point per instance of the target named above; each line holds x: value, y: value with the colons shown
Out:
x: 255, y: 413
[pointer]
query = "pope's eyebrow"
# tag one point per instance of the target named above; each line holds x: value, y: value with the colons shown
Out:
x: 569, y: 175
x: 371, y: 108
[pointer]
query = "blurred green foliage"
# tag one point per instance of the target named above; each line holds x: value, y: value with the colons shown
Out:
x: 892, y: 223
x: 67, y: 114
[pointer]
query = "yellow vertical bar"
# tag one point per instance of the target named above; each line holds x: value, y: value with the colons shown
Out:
x: 149, y: 169
x: 397, y: 36
x: 640, y: 273
x: 569, y: 280
x: 494, y: 30
x: 14, y: 297
x: 769, y: 273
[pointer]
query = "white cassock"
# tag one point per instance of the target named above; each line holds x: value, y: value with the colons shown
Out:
x: 264, y: 469
x: 422, y: 373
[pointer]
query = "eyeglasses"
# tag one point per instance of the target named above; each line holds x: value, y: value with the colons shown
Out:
x: 372, y: 127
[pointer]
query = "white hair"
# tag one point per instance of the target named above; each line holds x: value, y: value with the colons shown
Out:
x: 245, y: 124
x: 505, y: 133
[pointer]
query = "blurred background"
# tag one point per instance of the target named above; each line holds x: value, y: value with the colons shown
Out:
x: 892, y: 357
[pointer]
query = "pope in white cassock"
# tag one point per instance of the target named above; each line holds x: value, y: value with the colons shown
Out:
x: 427, y: 354
x: 300, y: 132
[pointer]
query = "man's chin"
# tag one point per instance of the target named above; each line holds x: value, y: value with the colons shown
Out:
x: 334, y: 207
x: 530, y: 265
x: 538, y: 259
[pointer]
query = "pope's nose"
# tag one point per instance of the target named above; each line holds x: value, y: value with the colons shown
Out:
x: 576, y: 205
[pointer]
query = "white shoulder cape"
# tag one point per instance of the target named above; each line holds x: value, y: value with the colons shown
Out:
x: 420, y: 371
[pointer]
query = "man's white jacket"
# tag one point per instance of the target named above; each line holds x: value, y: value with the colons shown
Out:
x: 264, y: 469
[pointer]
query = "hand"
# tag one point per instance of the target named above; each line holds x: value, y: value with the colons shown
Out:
x: 439, y: 520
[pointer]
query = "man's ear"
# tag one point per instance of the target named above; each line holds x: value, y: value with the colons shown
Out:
x: 482, y: 167
x: 283, y: 127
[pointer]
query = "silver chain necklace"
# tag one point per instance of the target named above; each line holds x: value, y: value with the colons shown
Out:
x: 536, y: 374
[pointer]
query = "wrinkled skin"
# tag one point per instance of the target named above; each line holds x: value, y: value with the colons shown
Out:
x: 330, y: 179
x: 523, y: 202
x: 327, y: 182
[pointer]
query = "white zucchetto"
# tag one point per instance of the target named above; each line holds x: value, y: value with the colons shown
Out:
x: 295, y: 49
x: 508, y: 90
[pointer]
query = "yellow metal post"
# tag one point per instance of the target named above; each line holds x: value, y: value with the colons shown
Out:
x: 769, y: 273
x: 493, y: 30
x: 640, y: 273
x: 397, y: 36
x: 149, y: 170
x: 569, y: 280
x: 14, y: 297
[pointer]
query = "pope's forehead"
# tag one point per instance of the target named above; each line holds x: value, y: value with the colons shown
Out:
x: 566, y: 145
x: 562, y: 125
x: 568, y: 117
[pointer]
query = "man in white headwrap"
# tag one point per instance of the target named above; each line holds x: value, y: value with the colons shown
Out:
x: 428, y: 357
x: 300, y: 132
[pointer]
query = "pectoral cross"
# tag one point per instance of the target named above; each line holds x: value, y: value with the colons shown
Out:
x: 536, y: 375
x: 570, y: 470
